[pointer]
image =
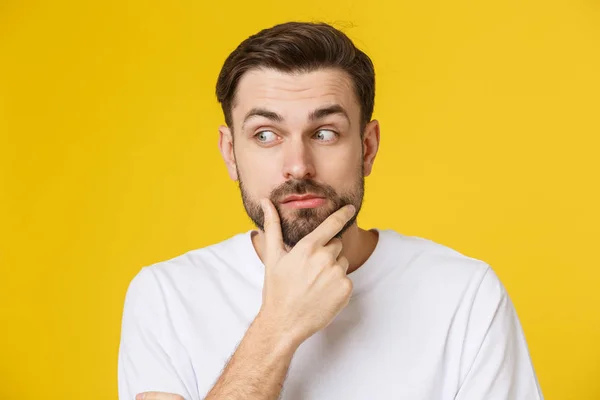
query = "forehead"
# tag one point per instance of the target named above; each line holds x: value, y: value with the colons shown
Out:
x: 295, y: 93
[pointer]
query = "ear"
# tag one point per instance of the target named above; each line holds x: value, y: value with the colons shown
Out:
x: 226, y: 148
x: 370, y: 145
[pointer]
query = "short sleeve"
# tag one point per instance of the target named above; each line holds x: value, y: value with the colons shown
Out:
x: 145, y: 360
x: 496, y: 360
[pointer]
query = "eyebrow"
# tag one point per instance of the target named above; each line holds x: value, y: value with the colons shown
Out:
x: 262, y: 112
x: 323, y: 112
x: 315, y: 115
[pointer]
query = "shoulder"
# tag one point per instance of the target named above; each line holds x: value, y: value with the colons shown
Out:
x: 428, y: 256
x: 435, y: 267
x: 190, y: 269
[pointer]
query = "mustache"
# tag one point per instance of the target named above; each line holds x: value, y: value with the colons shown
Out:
x: 301, y: 187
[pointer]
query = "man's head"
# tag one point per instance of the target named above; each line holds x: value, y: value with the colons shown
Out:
x: 298, y: 100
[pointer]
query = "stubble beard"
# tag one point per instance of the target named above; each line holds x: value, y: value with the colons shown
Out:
x: 297, y: 223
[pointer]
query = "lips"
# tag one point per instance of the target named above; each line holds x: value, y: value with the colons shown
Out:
x: 300, y: 197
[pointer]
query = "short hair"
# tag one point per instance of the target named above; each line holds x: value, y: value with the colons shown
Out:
x: 298, y: 47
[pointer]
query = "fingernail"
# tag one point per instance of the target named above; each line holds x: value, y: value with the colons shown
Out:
x: 140, y: 396
x: 352, y: 209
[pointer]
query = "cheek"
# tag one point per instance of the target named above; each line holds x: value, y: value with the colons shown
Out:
x: 344, y: 170
x: 260, y: 176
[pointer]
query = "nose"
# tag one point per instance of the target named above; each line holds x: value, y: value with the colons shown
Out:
x: 298, y: 160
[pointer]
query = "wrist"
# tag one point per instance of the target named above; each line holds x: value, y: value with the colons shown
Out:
x: 280, y: 340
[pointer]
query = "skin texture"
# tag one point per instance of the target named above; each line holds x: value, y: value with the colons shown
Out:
x: 295, y: 134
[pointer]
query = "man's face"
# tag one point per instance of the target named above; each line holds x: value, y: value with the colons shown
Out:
x: 298, y: 143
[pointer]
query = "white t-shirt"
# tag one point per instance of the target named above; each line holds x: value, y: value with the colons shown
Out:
x: 423, y: 322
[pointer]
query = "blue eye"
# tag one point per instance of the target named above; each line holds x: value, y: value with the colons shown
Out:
x: 325, y: 135
x: 266, y: 136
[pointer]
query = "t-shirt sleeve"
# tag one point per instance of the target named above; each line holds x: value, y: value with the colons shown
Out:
x: 145, y: 360
x: 496, y: 364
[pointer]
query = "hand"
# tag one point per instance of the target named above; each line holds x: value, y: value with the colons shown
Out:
x: 307, y: 287
x: 158, y: 396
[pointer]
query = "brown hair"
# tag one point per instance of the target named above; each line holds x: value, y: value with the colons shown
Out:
x: 298, y: 47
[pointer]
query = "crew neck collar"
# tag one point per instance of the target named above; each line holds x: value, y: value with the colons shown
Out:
x: 362, y: 278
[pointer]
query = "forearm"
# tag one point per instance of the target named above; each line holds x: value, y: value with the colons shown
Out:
x: 258, y: 368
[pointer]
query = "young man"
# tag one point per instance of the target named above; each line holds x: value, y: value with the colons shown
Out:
x: 309, y: 305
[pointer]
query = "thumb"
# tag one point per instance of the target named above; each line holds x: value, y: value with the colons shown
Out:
x: 272, y: 227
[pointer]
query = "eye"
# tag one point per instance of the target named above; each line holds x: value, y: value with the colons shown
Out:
x: 266, y: 137
x: 325, y: 135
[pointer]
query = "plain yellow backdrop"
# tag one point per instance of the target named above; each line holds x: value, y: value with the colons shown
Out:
x: 490, y: 114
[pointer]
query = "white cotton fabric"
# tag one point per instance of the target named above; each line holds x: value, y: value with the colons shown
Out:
x: 424, y: 322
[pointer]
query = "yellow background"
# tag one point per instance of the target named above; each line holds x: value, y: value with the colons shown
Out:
x: 490, y: 114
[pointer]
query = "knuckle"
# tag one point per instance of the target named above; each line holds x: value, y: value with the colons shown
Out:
x: 347, y: 286
x: 324, y: 258
x: 339, y: 269
x: 308, y: 246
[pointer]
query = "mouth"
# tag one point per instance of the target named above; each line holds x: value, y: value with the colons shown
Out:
x: 303, y: 201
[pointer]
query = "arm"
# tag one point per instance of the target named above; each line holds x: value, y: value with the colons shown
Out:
x: 304, y: 289
x: 258, y: 367
x: 256, y: 370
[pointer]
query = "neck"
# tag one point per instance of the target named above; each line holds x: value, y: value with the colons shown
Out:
x: 358, y: 244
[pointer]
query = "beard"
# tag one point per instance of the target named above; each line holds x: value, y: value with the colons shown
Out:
x: 297, y: 223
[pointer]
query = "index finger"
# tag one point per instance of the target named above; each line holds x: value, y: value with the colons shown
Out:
x: 331, y: 226
x: 272, y: 228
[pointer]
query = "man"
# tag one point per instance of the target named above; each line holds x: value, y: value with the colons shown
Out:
x: 310, y: 306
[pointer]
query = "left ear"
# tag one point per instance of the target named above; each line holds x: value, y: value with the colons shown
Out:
x: 370, y: 145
